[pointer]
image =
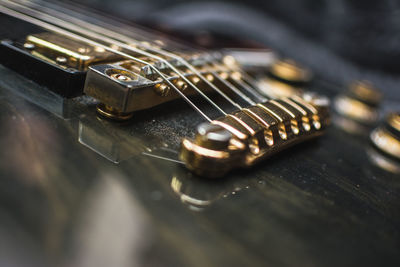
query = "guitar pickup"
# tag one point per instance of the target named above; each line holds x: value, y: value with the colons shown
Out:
x: 53, y: 61
x: 66, y: 53
x: 61, y: 63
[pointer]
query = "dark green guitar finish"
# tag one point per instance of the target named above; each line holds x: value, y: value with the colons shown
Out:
x: 77, y: 190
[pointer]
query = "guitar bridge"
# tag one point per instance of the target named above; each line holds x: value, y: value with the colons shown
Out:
x: 243, y: 138
x: 124, y: 84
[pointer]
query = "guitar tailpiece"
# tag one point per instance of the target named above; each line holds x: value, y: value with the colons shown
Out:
x: 245, y: 137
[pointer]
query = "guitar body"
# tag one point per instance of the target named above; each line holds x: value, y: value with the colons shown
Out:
x: 80, y: 190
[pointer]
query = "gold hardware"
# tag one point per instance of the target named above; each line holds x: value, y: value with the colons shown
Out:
x: 365, y: 91
x: 387, y: 136
x: 394, y: 121
x: 61, y: 60
x: 65, y: 52
x: 224, y: 75
x: 210, y: 77
x: 121, y: 77
x: 229, y: 61
x: 290, y: 71
x: 243, y: 138
x: 111, y: 113
x: 181, y: 85
x: 286, y: 79
x: 274, y: 88
x: 236, y: 76
x: 162, y: 89
x: 195, y: 80
x: 382, y: 161
x: 359, y: 103
x: 127, y: 86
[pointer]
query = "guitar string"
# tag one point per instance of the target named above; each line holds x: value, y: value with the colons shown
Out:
x: 116, y: 34
x: 246, y: 87
x: 126, y: 47
x: 42, y: 16
x: 250, y: 80
x: 80, y: 30
x: 137, y: 30
x: 47, y: 26
x: 139, y: 33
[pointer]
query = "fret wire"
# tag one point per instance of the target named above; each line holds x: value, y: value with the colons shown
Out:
x: 169, y: 54
x: 158, y: 58
x: 58, y: 30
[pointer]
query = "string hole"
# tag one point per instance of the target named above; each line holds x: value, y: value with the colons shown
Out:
x: 306, y: 124
x: 269, y: 138
x: 162, y: 89
x: 282, y: 131
x: 316, y: 122
x: 295, y: 127
x: 254, y: 147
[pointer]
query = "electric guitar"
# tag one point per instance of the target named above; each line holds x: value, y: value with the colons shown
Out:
x: 123, y: 146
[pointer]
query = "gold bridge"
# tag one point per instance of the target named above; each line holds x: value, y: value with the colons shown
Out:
x: 123, y: 85
x: 243, y: 138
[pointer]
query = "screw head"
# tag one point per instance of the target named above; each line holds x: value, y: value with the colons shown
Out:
x: 121, y: 77
x: 162, y: 89
x: 112, y: 113
x: 213, y: 136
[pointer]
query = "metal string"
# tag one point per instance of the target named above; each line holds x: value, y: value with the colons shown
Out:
x: 69, y: 34
x: 93, y: 34
x: 121, y: 37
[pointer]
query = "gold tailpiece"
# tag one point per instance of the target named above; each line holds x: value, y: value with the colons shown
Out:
x: 243, y: 138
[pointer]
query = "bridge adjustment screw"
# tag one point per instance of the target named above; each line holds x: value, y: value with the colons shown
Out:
x: 213, y: 136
